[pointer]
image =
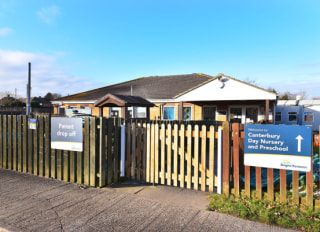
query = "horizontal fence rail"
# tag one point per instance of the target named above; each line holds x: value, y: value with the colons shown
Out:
x: 29, y: 150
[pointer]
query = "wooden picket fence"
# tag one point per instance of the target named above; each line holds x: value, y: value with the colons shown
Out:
x: 172, y: 154
x: 233, y: 167
x: 186, y: 156
x: 29, y: 151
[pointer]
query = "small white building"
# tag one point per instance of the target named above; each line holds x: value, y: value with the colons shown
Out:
x: 298, y: 112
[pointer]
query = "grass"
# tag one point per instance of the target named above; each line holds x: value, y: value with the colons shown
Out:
x: 269, y: 212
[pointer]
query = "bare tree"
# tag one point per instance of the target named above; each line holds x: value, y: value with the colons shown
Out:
x: 292, y: 96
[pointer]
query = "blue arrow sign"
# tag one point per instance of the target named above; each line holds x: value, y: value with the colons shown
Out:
x: 278, y: 146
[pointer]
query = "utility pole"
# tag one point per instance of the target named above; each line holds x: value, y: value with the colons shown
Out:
x: 28, y: 90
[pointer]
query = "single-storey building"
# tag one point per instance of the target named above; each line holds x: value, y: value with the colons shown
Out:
x: 178, y: 97
x: 298, y: 112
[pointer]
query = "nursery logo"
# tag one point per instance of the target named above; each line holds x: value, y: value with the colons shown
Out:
x: 286, y: 163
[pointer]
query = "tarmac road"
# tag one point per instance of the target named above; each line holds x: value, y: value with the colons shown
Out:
x: 32, y: 203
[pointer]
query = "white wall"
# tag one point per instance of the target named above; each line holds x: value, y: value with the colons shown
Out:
x: 229, y: 89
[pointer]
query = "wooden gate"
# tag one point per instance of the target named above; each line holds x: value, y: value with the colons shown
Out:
x: 175, y: 154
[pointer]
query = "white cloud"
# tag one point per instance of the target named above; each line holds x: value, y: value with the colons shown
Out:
x: 5, y: 31
x: 46, y: 75
x: 49, y: 14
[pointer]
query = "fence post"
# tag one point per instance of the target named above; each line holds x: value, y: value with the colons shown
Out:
x: 109, y: 155
x: 169, y: 152
x: 9, y: 142
x: 175, y: 154
x: 5, y: 142
x: 182, y: 156
x: 117, y: 143
x: 156, y: 153
x: 133, y: 151
x: 196, y: 157
x: 283, y: 186
x: 211, y: 159
x: 102, y: 155
x: 226, y: 159
x: 189, y: 156
x: 1, y: 140
x: 152, y: 153
x: 15, y: 143
x: 219, y: 161
x: 128, y: 151
x: 48, y: 153
x: 93, y: 151
x: 203, y: 167
x: 41, y: 145
x: 36, y: 149
x: 309, y: 183
x: 123, y: 150
x: 86, y: 160
x: 236, y: 144
x: 20, y: 144
x: 25, y: 143
x: 163, y: 145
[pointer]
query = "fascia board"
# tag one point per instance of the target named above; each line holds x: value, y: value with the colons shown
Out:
x: 73, y: 102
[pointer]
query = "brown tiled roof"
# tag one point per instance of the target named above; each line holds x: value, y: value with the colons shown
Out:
x: 122, y: 100
x: 154, y: 87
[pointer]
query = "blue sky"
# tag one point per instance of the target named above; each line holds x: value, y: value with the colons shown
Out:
x: 78, y: 45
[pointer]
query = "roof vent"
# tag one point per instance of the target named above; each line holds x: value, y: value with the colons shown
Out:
x: 221, y: 82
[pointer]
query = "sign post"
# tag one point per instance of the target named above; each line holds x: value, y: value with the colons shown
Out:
x: 278, y: 146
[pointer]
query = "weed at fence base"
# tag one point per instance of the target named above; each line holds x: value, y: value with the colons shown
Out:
x: 269, y: 212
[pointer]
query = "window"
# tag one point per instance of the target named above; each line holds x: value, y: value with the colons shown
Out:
x: 114, y: 111
x: 251, y: 115
x: 186, y: 113
x: 292, y: 116
x: 209, y: 113
x: 308, y: 116
x: 61, y: 110
x: 168, y: 113
x: 141, y: 112
x: 235, y: 115
x: 278, y: 116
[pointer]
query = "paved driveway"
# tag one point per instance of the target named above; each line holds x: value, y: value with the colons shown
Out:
x: 31, y: 203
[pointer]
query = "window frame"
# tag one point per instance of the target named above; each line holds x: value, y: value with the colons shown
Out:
x: 174, y: 112
x: 293, y: 113
x: 276, y: 116
x: 308, y: 113
x: 189, y: 113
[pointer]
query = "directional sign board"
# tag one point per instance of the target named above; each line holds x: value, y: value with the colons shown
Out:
x: 278, y: 146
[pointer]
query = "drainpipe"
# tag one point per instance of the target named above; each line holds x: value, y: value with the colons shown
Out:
x: 275, y: 109
x: 298, y: 98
